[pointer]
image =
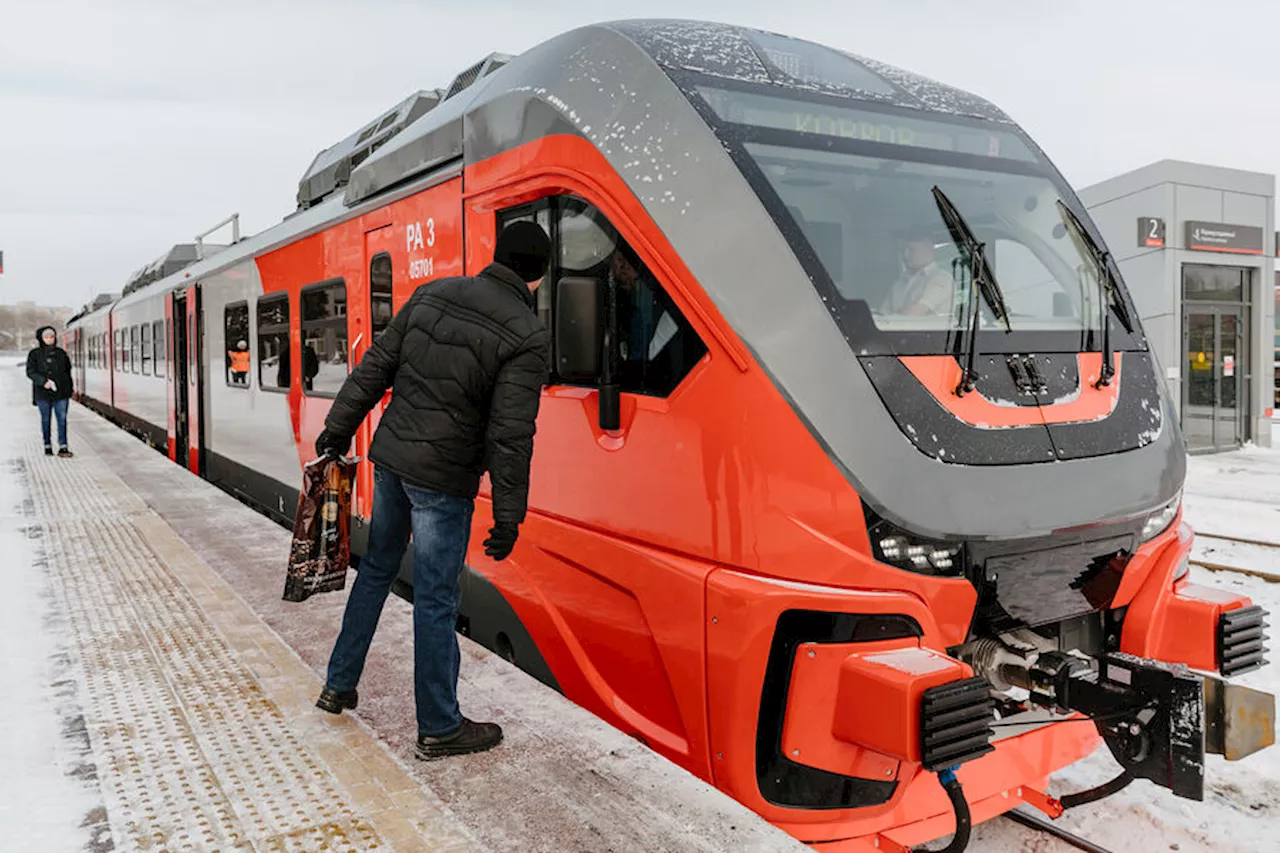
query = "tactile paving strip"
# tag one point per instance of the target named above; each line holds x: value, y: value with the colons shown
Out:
x: 193, y: 756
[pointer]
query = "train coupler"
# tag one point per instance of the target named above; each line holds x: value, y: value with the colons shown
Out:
x: 1158, y: 719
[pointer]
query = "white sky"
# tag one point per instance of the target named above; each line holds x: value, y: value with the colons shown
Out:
x: 127, y: 126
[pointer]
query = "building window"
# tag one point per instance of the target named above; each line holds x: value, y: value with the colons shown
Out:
x: 324, y: 338
x: 235, y: 325
x: 145, y: 352
x: 380, y: 303
x: 273, y: 343
x: 159, y: 355
x: 656, y: 345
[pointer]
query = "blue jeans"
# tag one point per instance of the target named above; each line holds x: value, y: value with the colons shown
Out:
x: 441, y: 527
x: 54, y: 407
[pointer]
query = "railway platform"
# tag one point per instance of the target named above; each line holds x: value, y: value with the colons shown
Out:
x: 169, y: 693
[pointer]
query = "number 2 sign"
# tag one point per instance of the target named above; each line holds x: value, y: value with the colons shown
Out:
x: 1151, y: 232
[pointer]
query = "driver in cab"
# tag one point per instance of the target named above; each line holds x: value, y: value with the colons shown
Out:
x: 923, y: 289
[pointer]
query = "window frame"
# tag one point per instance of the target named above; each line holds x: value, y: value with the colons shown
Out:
x: 269, y: 298
x: 374, y: 332
x: 303, y: 323
x: 554, y: 205
x: 144, y: 348
x: 159, y: 350
x: 227, y: 308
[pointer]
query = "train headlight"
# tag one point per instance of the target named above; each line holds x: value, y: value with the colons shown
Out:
x: 1158, y: 522
x: 905, y: 550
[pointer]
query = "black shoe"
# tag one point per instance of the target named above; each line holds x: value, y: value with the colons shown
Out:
x: 334, y: 701
x: 66, y: 453
x: 48, y: 451
x: 469, y: 737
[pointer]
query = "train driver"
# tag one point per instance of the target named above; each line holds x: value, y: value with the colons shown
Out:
x: 923, y: 289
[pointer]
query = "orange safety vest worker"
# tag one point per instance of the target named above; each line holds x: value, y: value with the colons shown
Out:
x: 239, y: 360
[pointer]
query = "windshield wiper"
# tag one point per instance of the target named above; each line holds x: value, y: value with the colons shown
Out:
x: 1110, y: 296
x: 981, y: 279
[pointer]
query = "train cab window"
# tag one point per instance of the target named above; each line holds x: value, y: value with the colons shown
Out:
x: 380, y: 304
x: 235, y: 326
x: 324, y: 338
x: 144, y: 353
x: 273, y: 343
x: 541, y: 214
x: 657, y: 347
x: 158, y: 353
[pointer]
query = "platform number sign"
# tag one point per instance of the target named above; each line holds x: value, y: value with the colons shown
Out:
x: 1151, y: 232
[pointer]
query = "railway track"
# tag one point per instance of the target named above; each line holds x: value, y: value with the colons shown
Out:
x: 1039, y: 824
x: 1265, y: 546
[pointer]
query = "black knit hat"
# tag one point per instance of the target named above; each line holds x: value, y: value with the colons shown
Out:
x: 523, y: 248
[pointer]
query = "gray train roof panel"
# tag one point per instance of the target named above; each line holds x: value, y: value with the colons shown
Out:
x: 332, y: 167
x: 179, y: 257
x: 756, y: 56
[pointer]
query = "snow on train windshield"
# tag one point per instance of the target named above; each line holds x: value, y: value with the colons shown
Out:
x: 857, y: 184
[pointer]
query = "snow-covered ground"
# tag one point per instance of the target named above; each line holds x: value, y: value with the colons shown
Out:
x: 49, y: 798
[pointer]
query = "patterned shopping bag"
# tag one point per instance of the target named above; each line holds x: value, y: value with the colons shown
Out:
x: 321, y: 550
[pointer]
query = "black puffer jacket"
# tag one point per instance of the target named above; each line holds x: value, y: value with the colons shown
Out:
x: 45, y: 363
x: 466, y: 359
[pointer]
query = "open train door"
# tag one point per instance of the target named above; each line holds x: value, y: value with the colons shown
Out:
x: 186, y: 423
x: 175, y: 377
x: 382, y: 304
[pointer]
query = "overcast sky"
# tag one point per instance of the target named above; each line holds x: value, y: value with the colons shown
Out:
x: 128, y: 125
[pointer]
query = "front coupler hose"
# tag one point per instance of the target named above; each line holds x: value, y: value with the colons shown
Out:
x: 964, y: 821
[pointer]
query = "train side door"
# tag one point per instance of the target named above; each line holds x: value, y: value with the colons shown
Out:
x: 630, y: 616
x: 175, y: 313
x: 381, y: 307
x: 195, y: 411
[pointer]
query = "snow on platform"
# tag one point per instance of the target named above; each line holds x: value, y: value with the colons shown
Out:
x: 151, y: 623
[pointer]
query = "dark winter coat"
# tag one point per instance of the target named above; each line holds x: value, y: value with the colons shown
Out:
x: 466, y: 359
x: 45, y: 363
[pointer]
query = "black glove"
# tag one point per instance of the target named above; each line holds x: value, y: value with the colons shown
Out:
x: 331, y: 444
x: 502, y: 538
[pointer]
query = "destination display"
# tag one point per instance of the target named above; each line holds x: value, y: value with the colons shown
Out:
x: 805, y: 117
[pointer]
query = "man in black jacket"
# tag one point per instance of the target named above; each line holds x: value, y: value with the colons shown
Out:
x: 49, y: 370
x: 466, y: 359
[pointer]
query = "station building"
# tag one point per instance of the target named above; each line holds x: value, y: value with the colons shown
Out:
x: 1197, y: 246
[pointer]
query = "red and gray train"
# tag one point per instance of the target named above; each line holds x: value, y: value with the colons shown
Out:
x: 861, y: 565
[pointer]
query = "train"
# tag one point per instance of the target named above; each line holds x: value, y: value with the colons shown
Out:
x: 885, y: 507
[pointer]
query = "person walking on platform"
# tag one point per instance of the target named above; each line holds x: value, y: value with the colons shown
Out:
x: 466, y: 359
x: 238, y: 362
x: 49, y: 369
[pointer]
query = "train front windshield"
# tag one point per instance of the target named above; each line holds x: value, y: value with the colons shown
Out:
x: 852, y: 190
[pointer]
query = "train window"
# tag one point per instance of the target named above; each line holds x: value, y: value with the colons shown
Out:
x: 158, y: 354
x: 132, y: 357
x: 380, y: 303
x: 541, y: 214
x: 657, y: 347
x: 235, y: 325
x: 324, y: 338
x: 119, y: 349
x: 144, y: 335
x: 273, y: 343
